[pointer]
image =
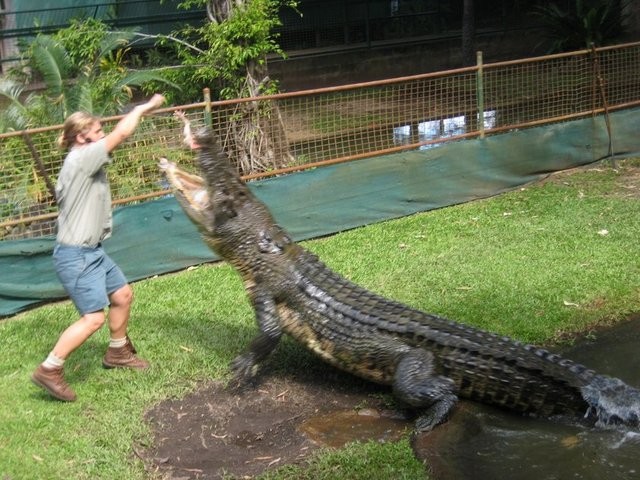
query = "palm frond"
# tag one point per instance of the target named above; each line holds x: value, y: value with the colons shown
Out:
x: 140, y: 77
x: 595, y: 21
x: 15, y: 116
x: 52, y: 61
x: 85, y: 99
x: 79, y: 98
x: 11, y: 91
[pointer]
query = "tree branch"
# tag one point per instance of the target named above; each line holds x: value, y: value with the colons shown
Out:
x: 168, y: 37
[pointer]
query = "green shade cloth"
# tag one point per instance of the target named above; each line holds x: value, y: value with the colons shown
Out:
x: 156, y: 237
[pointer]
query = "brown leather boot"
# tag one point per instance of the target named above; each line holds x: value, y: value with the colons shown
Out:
x: 123, y: 357
x: 130, y: 346
x: 52, y: 380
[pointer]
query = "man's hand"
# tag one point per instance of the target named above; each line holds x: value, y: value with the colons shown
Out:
x: 154, y: 102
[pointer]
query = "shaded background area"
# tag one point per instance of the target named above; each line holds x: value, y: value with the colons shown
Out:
x: 156, y: 237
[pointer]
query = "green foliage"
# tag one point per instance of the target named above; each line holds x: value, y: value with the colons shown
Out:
x: 16, y: 112
x: 16, y: 192
x: 83, y: 41
x: 222, y: 54
x: 84, y: 67
x: 588, y: 22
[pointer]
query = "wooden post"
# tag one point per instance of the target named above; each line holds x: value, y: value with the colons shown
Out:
x: 480, y: 93
x: 207, y: 106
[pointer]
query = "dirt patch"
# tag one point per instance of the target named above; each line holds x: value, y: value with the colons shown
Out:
x: 630, y: 180
x: 220, y: 433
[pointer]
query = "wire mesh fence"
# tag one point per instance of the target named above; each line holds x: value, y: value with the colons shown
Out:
x: 277, y: 134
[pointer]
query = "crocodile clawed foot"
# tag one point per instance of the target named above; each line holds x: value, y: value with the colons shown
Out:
x: 244, y: 371
x: 424, y: 424
x: 238, y: 386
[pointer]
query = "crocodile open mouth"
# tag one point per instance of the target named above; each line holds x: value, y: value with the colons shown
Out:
x: 188, y: 188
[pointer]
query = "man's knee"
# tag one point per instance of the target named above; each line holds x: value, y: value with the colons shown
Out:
x: 122, y: 297
x: 94, y: 320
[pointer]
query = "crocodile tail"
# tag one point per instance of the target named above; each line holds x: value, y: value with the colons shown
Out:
x: 613, y: 402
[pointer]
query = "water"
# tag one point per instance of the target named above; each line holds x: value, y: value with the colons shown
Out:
x: 338, y: 428
x: 484, y: 443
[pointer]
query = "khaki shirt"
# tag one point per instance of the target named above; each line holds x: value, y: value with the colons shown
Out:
x: 84, y: 196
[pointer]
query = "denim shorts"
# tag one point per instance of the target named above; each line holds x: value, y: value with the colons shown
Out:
x: 88, y: 275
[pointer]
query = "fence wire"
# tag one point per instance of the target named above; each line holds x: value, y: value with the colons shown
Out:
x: 286, y: 132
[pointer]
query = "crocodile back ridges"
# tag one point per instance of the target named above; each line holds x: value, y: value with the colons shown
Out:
x: 486, y: 367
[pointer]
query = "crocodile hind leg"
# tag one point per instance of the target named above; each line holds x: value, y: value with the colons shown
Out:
x: 415, y: 384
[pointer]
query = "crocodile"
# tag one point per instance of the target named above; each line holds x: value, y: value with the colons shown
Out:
x: 428, y: 361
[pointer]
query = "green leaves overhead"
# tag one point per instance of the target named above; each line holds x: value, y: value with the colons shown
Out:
x: 226, y: 52
x: 83, y: 67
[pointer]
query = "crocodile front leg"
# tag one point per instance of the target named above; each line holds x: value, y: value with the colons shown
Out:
x: 415, y: 384
x: 245, y: 366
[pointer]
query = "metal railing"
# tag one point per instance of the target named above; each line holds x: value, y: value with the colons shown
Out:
x: 330, y: 125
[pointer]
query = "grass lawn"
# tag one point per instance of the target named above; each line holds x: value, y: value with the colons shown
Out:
x: 539, y: 263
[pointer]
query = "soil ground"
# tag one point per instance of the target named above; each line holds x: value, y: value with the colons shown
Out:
x: 219, y: 433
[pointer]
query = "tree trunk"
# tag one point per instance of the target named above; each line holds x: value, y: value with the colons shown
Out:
x: 469, y: 55
x: 468, y: 33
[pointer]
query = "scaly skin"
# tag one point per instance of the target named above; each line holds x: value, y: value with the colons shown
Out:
x: 429, y: 361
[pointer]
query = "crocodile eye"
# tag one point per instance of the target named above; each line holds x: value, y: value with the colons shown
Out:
x: 284, y: 241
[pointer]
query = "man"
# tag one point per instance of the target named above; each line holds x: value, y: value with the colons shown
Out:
x: 91, y: 279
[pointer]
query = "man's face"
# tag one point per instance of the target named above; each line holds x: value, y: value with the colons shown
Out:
x: 94, y: 134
